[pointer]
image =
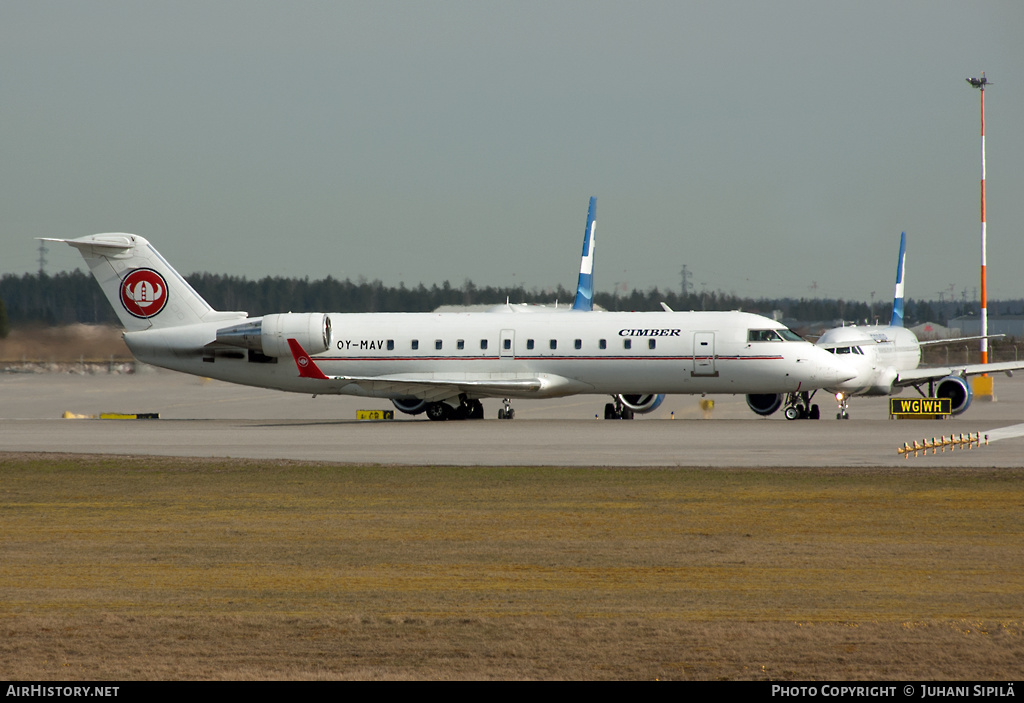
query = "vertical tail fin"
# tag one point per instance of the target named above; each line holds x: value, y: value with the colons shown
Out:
x: 585, y: 287
x: 897, y: 301
x: 144, y: 290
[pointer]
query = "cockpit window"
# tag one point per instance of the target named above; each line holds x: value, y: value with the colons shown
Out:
x: 777, y: 335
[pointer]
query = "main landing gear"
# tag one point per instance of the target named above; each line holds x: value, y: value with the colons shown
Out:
x: 617, y: 411
x: 468, y: 409
x: 798, y: 407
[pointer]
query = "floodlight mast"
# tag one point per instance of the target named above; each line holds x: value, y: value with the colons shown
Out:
x: 980, y: 84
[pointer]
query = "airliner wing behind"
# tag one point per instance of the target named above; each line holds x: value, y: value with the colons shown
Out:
x: 934, y: 373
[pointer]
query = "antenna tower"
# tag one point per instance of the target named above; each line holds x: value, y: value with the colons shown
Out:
x: 43, y: 251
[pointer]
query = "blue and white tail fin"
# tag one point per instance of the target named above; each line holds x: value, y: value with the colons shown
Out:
x: 144, y: 290
x: 897, y: 301
x: 585, y: 288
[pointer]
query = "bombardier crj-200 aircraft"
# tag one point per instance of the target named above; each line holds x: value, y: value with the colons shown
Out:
x: 623, y: 405
x: 886, y: 359
x: 443, y: 364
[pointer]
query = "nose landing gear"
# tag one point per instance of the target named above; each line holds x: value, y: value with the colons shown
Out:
x: 844, y: 407
x: 507, y: 412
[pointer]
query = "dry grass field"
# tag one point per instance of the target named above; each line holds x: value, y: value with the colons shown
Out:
x: 160, y: 568
x: 67, y: 343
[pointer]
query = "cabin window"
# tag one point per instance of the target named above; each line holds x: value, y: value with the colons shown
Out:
x: 776, y: 335
x: 627, y: 344
x: 579, y: 344
x: 507, y: 343
x: 391, y: 345
x: 602, y: 344
x: 461, y: 344
x: 652, y: 343
x: 437, y: 344
x: 415, y: 344
x: 553, y: 344
x: 529, y: 344
x: 483, y: 343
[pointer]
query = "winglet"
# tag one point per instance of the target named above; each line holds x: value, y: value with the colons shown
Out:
x: 897, y: 302
x: 307, y: 367
x: 585, y: 289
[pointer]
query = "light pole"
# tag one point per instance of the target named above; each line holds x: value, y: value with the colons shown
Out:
x: 984, y: 387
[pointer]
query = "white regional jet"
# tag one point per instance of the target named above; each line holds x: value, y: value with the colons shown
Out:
x: 886, y: 359
x: 444, y: 363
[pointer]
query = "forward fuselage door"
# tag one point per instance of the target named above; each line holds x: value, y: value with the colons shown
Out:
x: 704, y: 354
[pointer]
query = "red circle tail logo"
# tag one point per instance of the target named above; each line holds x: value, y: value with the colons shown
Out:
x: 143, y: 293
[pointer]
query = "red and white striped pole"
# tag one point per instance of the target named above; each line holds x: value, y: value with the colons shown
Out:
x: 983, y: 385
x: 984, y: 240
x: 980, y: 84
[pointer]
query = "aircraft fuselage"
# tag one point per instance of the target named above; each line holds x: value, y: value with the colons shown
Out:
x: 629, y: 352
x: 877, y: 353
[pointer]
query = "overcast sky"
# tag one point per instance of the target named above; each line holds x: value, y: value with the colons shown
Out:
x: 773, y: 148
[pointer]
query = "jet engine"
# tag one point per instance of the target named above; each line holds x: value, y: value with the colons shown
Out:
x: 270, y: 334
x: 958, y: 390
x: 410, y: 406
x: 641, y: 403
x: 764, y: 403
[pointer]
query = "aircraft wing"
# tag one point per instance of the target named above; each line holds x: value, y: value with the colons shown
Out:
x: 934, y: 373
x: 434, y: 387
x: 954, y: 340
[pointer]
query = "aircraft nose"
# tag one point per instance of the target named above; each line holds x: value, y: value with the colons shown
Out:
x: 833, y: 370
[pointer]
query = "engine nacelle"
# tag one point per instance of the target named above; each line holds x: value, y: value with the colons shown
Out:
x: 410, y: 406
x: 270, y: 334
x: 958, y: 390
x: 764, y: 403
x: 641, y: 403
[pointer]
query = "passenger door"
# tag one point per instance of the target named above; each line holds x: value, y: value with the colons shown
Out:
x: 704, y: 354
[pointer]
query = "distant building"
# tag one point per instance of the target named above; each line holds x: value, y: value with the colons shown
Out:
x: 1010, y: 325
x: 927, y: 331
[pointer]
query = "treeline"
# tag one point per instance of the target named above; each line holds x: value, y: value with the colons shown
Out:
x: 74, y: 297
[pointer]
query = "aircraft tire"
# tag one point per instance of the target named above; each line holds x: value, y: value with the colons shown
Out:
x: 792, y: 412
x: 438, y: 411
